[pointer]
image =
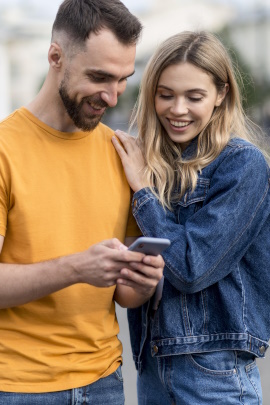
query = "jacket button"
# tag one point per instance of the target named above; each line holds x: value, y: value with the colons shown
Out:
x: 135, y: 203
x: 155, y: 348
x: 262, y: 349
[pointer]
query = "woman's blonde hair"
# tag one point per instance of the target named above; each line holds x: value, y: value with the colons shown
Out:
x: 165, y: 168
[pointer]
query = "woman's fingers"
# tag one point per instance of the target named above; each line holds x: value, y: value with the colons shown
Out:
x: 127, y: 140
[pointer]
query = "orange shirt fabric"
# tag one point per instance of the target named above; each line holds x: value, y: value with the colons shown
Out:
x: 60, y: 193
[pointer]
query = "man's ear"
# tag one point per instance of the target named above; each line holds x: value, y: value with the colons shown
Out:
x: 55, y: 56
x: 222, y: 94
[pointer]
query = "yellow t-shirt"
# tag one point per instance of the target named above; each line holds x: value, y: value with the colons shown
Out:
x: 59, y: 194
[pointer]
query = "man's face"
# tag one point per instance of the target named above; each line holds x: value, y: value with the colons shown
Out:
x: 93, y: 79
x: 85, y: 120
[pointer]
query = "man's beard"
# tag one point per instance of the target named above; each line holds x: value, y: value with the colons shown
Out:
x: 85, y: 122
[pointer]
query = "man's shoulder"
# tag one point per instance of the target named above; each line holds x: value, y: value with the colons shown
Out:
x: 13, y: 129
x: 104, y: 130
x: 12, y: 122
x: 9, y: 119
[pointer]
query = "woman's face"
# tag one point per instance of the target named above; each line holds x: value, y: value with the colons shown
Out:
x: 185, y: 100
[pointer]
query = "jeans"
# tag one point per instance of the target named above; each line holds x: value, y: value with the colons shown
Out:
x: 108, y: 390
x: 221, y: 377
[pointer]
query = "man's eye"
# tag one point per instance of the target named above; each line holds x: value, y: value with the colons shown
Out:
x: 97, y: 79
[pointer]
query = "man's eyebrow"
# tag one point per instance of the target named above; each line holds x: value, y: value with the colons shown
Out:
x: 106, y: 74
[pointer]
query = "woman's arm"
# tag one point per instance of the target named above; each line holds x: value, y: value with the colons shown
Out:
x: 215, y: 238
x: 212, y: 240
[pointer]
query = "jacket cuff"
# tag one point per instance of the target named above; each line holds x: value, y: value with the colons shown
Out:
x: 140, y: 198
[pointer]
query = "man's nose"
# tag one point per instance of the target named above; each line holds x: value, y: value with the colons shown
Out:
x: 110, y: 95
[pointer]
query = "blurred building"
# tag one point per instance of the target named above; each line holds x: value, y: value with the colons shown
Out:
x: 24, y: 42
x: 250, y: 33
x: 166, y: 18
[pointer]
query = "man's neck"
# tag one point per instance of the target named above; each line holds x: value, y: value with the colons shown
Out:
x: 51, y: 111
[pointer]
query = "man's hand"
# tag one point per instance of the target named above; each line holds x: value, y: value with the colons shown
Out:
x: 137, y: 283
x: 101, y: 265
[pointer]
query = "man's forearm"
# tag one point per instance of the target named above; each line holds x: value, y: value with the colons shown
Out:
x: 100, y: 266
x: 22, y: 283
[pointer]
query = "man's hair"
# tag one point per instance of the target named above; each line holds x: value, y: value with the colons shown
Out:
x: 79, y: 18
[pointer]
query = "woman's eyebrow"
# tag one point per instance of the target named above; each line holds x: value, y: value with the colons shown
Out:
x: 195, y: 90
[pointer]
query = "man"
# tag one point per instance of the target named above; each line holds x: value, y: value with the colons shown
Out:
x: 64, y: 209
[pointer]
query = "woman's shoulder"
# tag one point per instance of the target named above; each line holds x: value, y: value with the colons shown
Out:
x: 240, y: 143
x: 239, y: 148
x: 239, y: 155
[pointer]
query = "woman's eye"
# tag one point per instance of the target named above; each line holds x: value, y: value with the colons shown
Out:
x: 166, y: 96
x: 195, y: 99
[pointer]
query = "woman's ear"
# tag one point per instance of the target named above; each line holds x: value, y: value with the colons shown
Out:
x: 222, y: 94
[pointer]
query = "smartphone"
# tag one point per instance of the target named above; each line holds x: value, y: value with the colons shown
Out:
x: 152, y: 247
x: 149, y: 246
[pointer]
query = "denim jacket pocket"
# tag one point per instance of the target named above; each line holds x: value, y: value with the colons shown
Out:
x: 191, y: 202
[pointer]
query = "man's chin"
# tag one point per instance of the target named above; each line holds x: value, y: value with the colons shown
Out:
x: 87, y: 125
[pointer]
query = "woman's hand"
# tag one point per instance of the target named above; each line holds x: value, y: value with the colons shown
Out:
x: 137, y: 283
x: 132, y: 159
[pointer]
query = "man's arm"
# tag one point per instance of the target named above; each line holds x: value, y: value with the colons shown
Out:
x: 100, y: 266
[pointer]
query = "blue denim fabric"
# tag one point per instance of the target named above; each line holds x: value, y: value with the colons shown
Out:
x: 108, y: 390
x: 220, y: 378
x: 217, y: 278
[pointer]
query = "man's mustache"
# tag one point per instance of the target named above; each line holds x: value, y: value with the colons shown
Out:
x: 97, y: 101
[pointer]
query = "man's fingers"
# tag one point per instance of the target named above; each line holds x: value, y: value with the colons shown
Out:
x: 113, y: 243
x: 117, y: 252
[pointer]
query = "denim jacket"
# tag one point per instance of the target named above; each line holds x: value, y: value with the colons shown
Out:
x: 216, y: 293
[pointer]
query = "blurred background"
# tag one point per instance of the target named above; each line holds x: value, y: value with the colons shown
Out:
x: 243, y: 25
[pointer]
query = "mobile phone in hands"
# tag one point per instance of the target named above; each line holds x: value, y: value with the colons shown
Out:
x: 149, y: 246
x: 152, y: 247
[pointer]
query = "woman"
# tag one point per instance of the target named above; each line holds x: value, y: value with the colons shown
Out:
x: 200, y: 182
